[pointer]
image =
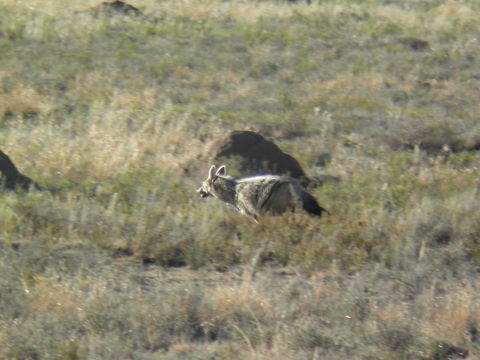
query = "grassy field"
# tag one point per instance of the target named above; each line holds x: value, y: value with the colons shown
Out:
x: 124, y: 261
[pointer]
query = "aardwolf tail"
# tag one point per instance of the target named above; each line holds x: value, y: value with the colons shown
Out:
x: 310, y: 205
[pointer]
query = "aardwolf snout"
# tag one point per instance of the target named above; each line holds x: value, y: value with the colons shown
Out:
x: 202, y: 192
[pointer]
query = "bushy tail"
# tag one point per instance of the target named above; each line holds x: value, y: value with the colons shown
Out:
x: 310, y: 205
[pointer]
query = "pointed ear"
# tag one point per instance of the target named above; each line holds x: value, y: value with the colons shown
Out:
x: 211, y: 172
x: 221, y: 171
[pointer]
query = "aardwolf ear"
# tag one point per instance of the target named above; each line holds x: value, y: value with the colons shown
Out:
x: 211, y: 172
x: 221, y: 171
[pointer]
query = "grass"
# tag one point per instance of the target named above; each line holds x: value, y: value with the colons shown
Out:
x: 116, y: 114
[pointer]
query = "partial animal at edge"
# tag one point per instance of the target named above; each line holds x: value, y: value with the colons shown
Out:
x: 12, y: 179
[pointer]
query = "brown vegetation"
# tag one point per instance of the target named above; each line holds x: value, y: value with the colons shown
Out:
x: 125, y: 261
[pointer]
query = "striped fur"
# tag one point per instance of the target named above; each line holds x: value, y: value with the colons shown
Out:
x: 259, y: 195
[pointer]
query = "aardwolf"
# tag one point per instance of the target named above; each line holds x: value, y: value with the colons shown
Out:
x: 13, y: 178
x: 259, y: 195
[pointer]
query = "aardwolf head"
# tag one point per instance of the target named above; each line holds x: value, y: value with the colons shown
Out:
x: 207, y: 188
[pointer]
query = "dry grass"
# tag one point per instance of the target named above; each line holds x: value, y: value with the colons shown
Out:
x: 115, y: 114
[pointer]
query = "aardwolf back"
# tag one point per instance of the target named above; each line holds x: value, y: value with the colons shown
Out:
x: 259, y: 195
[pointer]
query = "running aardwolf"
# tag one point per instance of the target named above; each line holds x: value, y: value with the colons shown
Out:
x: 259, y: 195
